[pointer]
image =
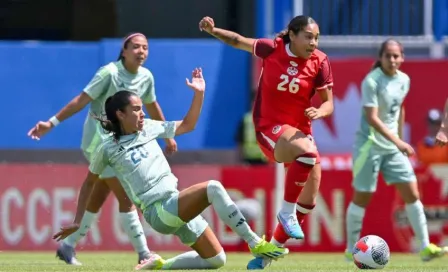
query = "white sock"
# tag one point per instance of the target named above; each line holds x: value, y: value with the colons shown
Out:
x: 417, y: 218
x: 229, y: 212
x: 275, y: 242
x: 87, y: 219
x: 192, y: 260
x: 354, y: 218
x: 134, y: 229
x: 288, y: 207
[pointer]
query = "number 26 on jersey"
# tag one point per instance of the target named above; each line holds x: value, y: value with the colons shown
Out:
x: 288, y: 85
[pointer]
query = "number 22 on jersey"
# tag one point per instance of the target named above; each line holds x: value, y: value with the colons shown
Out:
x: 286, y: 84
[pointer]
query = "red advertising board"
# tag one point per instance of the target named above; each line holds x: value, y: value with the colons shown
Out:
x: 35, y: 200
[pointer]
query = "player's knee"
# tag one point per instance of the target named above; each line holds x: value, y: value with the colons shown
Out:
x: 309, y: 158
x: 214, y: 188
x: 218, y: 261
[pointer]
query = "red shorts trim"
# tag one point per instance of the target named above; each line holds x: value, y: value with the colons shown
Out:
x: 268, y: 136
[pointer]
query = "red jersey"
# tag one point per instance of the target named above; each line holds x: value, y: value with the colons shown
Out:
x: 287, y: 84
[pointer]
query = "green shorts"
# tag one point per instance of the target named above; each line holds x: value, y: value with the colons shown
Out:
x: 162, y: 216
x: 367, y: 163
x: 108, y: 171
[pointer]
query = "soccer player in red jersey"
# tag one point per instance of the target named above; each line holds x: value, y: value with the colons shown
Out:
x: 293, y: 71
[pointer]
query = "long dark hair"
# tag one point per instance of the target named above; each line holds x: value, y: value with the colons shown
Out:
x: 126, y: 41
x: 296, y: 25
x: 383, y: 46
x: 114, y: 103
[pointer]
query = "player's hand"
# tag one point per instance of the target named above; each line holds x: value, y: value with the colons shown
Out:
x: 406, y: 148
x: 442, y: 137
x: 312, y: 113
x: 40, y: 129
x: 206, y: 24
x: 171, y: 146
x: 66, y: 231
x: 197, y: 81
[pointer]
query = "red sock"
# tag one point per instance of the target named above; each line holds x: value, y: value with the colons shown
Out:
x: 302, y: 211
x: 297, y: 175
x: 280, y: 234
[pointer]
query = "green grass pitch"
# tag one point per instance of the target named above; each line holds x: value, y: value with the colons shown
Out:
x: 125, y: 261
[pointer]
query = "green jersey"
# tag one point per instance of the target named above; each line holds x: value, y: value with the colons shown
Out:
x: 107, y: 81
x: 387, y: 94
x: 139, y: 163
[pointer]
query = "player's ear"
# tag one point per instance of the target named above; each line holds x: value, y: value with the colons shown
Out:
x: 291, y: 35
x: 120, y: 114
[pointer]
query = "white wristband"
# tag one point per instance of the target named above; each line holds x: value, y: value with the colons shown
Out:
x: 54, y: 121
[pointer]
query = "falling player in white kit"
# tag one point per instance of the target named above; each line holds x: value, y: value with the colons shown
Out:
x: 134, y: 154
x: 126, y: 73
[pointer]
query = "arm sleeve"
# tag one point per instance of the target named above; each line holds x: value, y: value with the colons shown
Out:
x: 263, y: 48
x: 407, y: 87
x: 162, y: 129
x: 368, y: 93
x: 150, y: 94
x: 99, y: 161
x: 99, y: 83
x: 324, y: 76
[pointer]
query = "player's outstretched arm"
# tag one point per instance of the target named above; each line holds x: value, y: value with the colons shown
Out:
x: 231, y: 38
x: 190, y: 120
x: 74, y: 106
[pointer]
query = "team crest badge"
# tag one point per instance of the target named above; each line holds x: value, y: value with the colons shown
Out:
x: 292, y: 71
x: 276, y: 129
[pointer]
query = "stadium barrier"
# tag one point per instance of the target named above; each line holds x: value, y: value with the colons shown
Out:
x: 36, y: 199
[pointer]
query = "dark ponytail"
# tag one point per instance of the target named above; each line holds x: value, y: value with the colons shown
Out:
x: 296, y: 25
x: 377, y: 63
x: 284, y: 34
x: 110, y: 122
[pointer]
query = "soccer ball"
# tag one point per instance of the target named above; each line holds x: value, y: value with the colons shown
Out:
x: 371, y: 252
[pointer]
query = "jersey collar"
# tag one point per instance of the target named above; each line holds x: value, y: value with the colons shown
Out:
x: 288, y: 51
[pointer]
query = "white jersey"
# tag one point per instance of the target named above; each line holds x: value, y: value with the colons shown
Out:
x: 107, y: 81
x: 139, y: 163
x: 386, y: 93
